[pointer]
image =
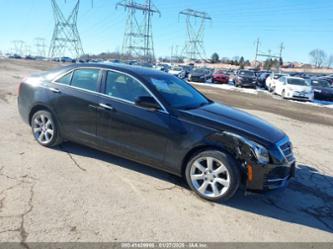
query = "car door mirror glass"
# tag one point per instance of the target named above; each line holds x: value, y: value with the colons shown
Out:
x: 147, y: 102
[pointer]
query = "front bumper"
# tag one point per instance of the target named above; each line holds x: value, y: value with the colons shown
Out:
x: 247, y: 83
x: 299, y: 95
x: 197, y: 79
x: 270, y: 176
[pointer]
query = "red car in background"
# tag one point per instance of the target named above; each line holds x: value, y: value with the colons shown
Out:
x: 220, y: 77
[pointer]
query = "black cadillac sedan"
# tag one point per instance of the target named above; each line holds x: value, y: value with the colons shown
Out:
x: 159, y: 120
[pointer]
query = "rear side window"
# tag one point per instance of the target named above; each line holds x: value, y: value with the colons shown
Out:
x: 86, y: 79
x: 65, y: 79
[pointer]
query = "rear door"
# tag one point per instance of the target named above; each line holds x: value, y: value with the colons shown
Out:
x: 77, y: 101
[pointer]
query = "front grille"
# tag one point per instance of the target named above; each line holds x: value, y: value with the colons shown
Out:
x: 287, y: 151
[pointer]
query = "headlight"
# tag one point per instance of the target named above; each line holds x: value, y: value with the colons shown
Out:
x: 289, y: 88
x: 258, y: 151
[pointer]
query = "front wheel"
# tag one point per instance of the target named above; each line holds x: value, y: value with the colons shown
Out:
x: 284, y: 94
x: 213, y: 175
x: 45, y: 129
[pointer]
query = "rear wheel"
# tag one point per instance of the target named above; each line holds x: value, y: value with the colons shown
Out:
x: 213, y: 175
x: 45, y: 129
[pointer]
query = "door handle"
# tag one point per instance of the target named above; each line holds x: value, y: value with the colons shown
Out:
x: 106, y: 107
x: 55, y: 90
x: 92, y: 107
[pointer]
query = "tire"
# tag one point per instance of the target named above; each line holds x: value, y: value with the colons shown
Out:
x: 283, y: 94
x: 45, y: 129
x: 223, y: 175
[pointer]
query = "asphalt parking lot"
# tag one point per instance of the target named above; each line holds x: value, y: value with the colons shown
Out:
x: 73, y: 193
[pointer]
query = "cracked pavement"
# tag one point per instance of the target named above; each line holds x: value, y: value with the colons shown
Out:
x: 73, y: 193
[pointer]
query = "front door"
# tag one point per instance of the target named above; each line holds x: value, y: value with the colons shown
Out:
x: 129, y: 130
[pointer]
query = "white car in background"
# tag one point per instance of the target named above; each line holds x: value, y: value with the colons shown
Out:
x: 177, y: 71
x: 294, y: 88
x: 272, y: 79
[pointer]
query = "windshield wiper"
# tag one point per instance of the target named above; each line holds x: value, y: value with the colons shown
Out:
x: 194, y: 107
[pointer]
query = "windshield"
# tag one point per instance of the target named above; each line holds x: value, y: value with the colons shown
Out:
x: 322, y: 83
x: 177, y: 93
x: 177, y: 69
x: 278, y: 76
x: 201, y: 71
x: 297, y: 82
x: 246, y: 73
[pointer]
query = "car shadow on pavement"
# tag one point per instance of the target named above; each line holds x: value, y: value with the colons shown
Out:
x: 82, y: 150
x: 307, y: 201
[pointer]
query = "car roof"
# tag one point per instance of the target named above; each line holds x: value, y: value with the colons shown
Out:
x: 293, y: 77
x: 138, y: 71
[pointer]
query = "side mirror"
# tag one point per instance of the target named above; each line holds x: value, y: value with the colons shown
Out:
x: 148, y: 103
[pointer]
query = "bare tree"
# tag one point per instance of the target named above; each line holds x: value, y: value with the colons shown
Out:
x: 330, y: 61
x: 318, y: 57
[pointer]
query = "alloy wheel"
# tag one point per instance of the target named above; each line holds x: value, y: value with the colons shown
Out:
x: 210, y: 177
x: 43, y: 129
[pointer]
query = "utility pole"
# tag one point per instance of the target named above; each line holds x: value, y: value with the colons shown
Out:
x: 269, y: 54
x: 194, y: 46
x: 138, y: 36
x: 66, y: 39
x: 281, y: 49
x: 257, y: 51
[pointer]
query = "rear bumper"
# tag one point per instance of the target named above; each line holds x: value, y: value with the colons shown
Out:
x: 270, y: 177
x: 23, y: 110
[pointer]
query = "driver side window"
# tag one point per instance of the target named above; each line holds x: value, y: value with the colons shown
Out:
x: 124, y: 87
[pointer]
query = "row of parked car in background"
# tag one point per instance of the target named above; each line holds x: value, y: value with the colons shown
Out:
x: 298, y: 86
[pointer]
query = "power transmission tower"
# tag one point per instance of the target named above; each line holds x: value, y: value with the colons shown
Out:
x: 40, y: 46
x: 269, y: 54
x: 194, y: 47
x: 66, y: 38
x: 27, y: 49
x: 18, y: 48
x: 138, y: 36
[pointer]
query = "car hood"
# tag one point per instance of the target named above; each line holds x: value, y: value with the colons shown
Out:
x: 324, y: 89
x: 300, y: 88
x: 197, y: 74
x: 247, y: 77
x: 225, y: 118
x: 175, y: 71
x: 220, y: 75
